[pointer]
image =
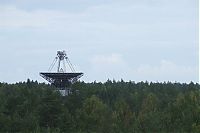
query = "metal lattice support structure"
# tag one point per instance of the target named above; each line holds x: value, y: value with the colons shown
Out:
x: 61, y: 79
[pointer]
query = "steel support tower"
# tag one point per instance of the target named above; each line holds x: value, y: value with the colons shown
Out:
x: 62, y: 79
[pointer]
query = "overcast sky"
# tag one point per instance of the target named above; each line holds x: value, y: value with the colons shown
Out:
x: 139, y: 40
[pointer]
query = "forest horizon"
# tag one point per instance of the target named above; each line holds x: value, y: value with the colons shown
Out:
x: 110, y: 107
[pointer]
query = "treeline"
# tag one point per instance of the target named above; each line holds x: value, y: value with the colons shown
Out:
x: 110, y: 107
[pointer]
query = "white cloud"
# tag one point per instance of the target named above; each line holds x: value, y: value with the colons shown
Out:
x: 108, y: 66
x: 167, y: 71
x: 12, y: 17
x: 112, y: 59
x: 98, y: 16
x: 114, y: 66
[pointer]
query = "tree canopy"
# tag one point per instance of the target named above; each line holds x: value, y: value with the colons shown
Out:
x: 110, y: 107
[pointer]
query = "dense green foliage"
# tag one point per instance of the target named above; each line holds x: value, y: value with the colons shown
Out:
x: 110, y: 107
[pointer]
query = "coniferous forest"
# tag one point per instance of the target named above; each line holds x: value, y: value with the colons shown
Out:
x: 110, y: 107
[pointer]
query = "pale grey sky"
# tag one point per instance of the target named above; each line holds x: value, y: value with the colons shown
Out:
x: 139, y: 40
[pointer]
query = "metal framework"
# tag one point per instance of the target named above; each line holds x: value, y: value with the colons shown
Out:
x: 61, y: 79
